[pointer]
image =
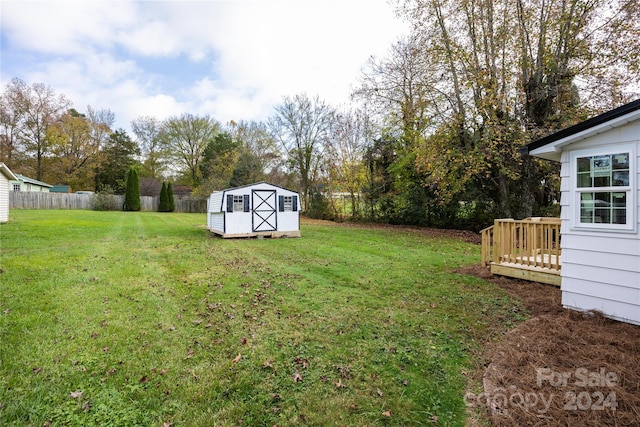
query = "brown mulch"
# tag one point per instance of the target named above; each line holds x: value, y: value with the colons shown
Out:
x: 560, y: 367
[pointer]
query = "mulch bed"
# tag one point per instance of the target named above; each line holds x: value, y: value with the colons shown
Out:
x: 560, y: 367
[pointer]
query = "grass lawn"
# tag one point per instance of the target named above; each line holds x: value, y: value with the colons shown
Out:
x: 119, y: 318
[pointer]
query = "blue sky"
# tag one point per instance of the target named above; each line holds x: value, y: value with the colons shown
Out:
x: 233, y: 60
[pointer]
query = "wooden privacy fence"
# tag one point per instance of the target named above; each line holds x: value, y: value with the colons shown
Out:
x: 37, y: 200
x: 527, y: 249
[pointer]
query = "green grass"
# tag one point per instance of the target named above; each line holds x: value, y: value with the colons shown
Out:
x: 112, y: 318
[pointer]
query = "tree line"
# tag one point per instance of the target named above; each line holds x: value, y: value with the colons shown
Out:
x: 432, y: 136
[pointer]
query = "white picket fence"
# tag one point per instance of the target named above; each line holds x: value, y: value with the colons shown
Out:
x: 37, y: 200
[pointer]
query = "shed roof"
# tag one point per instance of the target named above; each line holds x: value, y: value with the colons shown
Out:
x: 4, y: 169
x: 253, y: 185
x: 550, y: 146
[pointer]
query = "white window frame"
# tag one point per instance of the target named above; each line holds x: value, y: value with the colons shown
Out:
x: 238, y: 203
x: 629, y: 190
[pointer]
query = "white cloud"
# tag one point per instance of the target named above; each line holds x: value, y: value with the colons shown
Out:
x: 65, y: 27
x: 231, y: 59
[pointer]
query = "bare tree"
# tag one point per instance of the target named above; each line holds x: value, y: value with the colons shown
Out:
x: 350, y: 133
x: 301, y: 126
x: 403, y: 88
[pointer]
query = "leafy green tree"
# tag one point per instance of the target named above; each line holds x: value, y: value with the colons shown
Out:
x: 170, y: 199
x: 476, y: 80
x: 119, y: 155
x: 185, y: 139
x: 218, y: 161
x: 163, y: 204
x: 132, y: 194
x: 148, y: 132
x: 74, y: 153
x: 247, y: 170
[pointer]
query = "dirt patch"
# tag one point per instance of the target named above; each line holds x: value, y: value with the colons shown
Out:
x: 561, y: 367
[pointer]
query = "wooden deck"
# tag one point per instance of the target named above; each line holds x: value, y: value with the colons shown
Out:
x: 526, y: 249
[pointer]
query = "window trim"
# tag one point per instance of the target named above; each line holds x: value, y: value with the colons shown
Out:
x: 630, y: 190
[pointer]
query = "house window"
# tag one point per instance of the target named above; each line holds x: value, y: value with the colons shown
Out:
x: 604, y: 189
x: 16, y: 187
x: 238, y: 204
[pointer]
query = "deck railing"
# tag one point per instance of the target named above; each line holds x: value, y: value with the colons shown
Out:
x: 531, y: 242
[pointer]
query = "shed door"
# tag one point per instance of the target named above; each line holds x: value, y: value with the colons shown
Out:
x: 264, y: 210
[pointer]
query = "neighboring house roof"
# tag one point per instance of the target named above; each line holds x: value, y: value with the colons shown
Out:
x: 550, y: 146
x: 4, y: 169
x: 28, y: 180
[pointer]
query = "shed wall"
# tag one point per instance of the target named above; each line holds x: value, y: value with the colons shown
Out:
x: 241, y: 223
x: 600, y: 269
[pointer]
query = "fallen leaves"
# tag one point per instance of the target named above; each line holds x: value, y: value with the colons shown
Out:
x: 297, y: 377
x: 304, y: 363
x: 75, y: 394
x: 236, y: 359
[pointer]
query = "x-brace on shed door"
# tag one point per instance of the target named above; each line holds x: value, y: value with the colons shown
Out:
x: 264, y: 216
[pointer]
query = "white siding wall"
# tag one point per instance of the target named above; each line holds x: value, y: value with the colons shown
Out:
x: 600, y: 269
x: 215, y: 202
x: 229, y: 223
x: 216, y: 221
x: 4, y: 198
x: 215, y: 215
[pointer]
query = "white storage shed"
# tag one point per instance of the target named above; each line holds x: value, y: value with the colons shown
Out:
x: 259, y: 209
x: 600, y: 200
x: 6, y: 176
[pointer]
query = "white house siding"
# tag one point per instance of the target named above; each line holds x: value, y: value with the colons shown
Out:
x: 4, y: 198
x: 600, y: 269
